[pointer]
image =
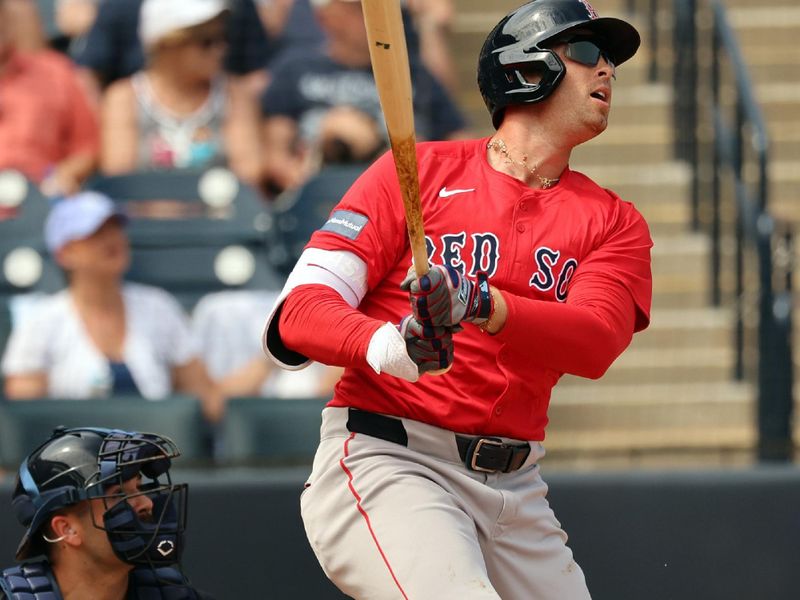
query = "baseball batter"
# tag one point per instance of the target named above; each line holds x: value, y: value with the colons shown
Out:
x: 427, y: 487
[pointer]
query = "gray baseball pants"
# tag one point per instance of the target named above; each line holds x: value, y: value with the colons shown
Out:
x: 388, y: 521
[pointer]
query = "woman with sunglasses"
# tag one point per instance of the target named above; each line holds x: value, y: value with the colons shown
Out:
x: 180, y: 111
x: 428, y: 487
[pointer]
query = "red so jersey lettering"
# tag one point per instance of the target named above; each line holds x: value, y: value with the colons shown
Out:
x: 532, y: 243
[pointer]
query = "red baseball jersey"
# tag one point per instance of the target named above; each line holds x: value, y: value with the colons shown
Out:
x: 573, y: 243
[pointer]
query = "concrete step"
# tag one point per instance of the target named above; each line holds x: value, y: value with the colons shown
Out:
x: 765, y: 18
x: 680, y: 254
x: 757, y: 34
x: 780, y: 101
x: 666, y: 219
x: 784, y: 189
x: 562, y: 443
x: 765, y: 67
x: 660, y: 365
x: 680, y: 265
x: 685, y: 329
x: 574, y: 392
x: 628, y: 144
x: 644, y: 184
x: 670, y: 405
x: 602, y: 417
x: 676, y: 292
x: 785, y: 140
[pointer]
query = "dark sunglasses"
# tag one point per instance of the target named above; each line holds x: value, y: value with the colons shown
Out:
x: 587, y: 53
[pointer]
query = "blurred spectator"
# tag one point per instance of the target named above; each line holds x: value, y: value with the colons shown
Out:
x: 181, y: 111
x: 228, y: 326
x: 48, y: 130
x: 306, y: 85
x: 433, y: 20
x: 28, y: 32
x: 100, y: 336
x: 72, y: 21
x: 274, y: 15
x: 113, y: 51
x: 292, y: 25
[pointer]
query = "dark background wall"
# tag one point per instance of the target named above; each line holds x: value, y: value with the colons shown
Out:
x: 728, y: 535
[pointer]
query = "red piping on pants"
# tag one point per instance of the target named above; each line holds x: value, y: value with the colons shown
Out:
x: 365, y: 515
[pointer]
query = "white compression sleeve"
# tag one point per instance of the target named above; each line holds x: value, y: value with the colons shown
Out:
x: 338, y: 269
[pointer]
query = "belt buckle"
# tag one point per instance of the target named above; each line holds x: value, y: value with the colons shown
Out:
x: 476, y: 453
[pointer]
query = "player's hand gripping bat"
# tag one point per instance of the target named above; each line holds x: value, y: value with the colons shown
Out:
x: 389, y: 56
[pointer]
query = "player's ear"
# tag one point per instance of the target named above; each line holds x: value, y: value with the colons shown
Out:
x: 63, y: 529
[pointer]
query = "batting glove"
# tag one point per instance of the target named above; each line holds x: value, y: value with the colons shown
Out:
x: 444, y: 297
x: 404, y: 350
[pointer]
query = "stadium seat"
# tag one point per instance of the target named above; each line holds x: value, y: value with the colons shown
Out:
x: 194, y: 232
x: 270, y: 431
x: 47, y: 14
x: 25, y: 265
x: 26, y: 423
x: 301, y: 212
x: 187, y: 207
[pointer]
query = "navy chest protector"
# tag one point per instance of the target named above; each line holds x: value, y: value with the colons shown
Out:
x: 35, y: 581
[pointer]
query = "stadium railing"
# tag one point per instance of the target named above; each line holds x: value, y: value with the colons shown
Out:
x: 724, y: 139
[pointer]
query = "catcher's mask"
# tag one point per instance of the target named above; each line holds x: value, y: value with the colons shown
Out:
x: 92, y: 464
x: 520, y: 40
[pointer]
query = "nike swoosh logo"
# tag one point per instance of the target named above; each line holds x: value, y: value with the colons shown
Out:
x: 445, y: 193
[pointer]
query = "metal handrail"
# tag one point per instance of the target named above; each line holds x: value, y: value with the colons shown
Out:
x: 739, y: 140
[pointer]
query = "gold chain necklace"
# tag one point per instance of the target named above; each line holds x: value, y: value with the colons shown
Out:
x: 499, y: 145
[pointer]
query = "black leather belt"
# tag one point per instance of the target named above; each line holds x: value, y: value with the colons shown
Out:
x: 484, y: 454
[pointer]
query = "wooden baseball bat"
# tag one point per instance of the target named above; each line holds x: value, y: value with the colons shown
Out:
x: 389, y: 56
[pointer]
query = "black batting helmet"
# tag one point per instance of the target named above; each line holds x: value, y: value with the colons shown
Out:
x: 519, y: 38
x: 83, y: 464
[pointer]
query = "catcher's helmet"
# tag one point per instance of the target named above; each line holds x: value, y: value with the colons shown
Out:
x: 519, y: 39
x: 82, y: 464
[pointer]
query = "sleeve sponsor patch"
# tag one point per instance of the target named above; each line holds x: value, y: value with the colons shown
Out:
x: 345, y: 223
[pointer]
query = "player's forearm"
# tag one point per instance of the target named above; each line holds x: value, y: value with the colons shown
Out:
x: 317, y: 322
x: 581, y: 340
